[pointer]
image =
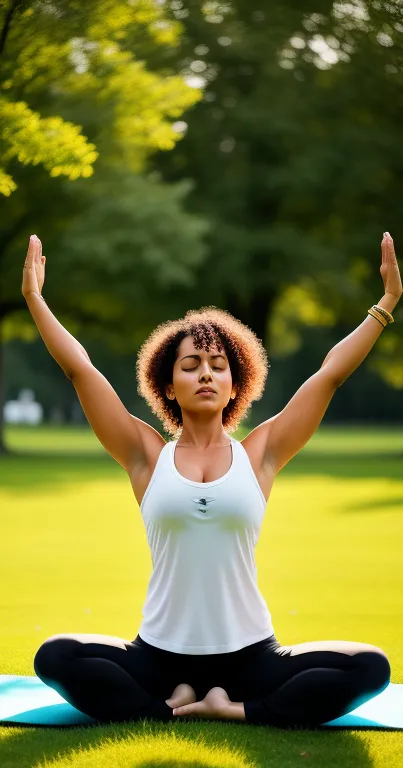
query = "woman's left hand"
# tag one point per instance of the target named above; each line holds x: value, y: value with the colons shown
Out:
x: 390, y: 268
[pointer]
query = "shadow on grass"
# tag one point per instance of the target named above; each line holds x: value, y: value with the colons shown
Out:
x: 24, y: 472
x: 192, y: 743
x: 28, y: 472
x: 181, y: 743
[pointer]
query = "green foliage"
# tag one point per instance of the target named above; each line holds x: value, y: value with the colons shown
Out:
x: 79, y: 71
x: 290, y: 166
x: 298, y: 306
x: 55, y: 143
x: 54, y: 54
x: 297, y: 151
x: 107, y: 271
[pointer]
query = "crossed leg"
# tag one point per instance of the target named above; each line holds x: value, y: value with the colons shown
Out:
x: 342, y: 646
x: 299, y: 685
x: 306, y: 684
x: 312, y: 683
x: 106, y: 677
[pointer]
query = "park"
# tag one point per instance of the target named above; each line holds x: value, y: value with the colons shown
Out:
x: 201, y: 377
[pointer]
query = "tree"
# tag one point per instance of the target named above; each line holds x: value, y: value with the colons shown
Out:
x: 56, y: 53
x: 297, y: 158
x: 67, y: 67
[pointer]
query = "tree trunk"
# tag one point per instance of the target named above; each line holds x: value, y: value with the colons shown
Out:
x: 255, y: 315
x: 3, y: 449
x: 7, y: 22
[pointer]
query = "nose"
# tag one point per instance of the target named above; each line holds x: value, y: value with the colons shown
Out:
x: 206, y: 376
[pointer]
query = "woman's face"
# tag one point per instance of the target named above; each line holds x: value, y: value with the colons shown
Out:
x: 195, y: 368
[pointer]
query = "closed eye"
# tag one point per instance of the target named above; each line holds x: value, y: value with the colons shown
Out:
x: 193, y: 369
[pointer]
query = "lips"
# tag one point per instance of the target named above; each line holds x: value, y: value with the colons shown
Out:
x: 206, y: 389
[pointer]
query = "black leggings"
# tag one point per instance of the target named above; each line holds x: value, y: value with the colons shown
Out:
x: 111, y: 679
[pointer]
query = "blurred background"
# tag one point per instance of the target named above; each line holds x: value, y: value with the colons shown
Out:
x: 173, y: 155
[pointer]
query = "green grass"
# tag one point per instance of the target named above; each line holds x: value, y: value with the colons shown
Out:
x: 75, y: 559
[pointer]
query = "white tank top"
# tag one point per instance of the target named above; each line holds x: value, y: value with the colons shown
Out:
x: 203, y: 597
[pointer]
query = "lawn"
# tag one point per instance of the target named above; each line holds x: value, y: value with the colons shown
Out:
x: 75, y: 559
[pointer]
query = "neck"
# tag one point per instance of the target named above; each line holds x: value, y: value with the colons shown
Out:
x: 203, y: 442
x: 202, y: 431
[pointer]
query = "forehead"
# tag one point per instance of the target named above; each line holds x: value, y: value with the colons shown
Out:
x: 187, y: 347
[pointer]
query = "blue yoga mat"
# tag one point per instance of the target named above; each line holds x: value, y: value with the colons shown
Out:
x: 27, y: 700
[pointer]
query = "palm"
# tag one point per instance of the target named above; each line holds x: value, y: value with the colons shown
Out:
x: 39, y: 266
x: 390, y: 269
x: 40, y: 272
x: 34, y: 268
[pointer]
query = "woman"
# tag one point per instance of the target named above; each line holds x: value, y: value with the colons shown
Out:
x: 202, y: 497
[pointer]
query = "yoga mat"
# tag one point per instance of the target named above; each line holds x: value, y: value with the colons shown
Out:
x: 28, y: 701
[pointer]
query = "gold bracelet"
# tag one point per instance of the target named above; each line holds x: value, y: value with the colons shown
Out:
x: 377, y: 317
x: 384, y: 313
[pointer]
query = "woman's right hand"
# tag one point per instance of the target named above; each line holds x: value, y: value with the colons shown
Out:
x: 33, y: 274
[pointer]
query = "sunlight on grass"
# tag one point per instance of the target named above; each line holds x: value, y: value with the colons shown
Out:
x: 75, y: 439
x: 161, y: 749
x: 75, y: 559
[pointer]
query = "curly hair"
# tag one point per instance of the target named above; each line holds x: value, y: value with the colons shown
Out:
x: 208, y: 326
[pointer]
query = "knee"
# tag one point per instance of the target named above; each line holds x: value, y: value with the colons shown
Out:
x: 51, y: 656
x: 376, y: 669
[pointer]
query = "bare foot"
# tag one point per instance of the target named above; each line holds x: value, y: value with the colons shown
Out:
x: 183, y: 694
x: 215, y: 705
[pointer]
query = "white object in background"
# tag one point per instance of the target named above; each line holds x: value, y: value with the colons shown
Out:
x: 24, y: 410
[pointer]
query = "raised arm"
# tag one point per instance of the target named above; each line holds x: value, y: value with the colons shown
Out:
x: 349, y: 353
x: 122, y: 434
x: 282, y: 436
x: 127, y: 438
x: 64, y: 348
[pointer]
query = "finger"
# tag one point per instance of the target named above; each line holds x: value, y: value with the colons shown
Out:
x: 387, y: 245
x: 30, y: 257
x: 391, y: 255
x: 391, y: 247
x: 39, y: 252
x: 384, y: 249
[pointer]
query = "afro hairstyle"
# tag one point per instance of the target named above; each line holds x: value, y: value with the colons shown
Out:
x: 208, y: 326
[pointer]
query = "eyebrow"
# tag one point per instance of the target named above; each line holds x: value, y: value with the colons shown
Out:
x: 198, y: 356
